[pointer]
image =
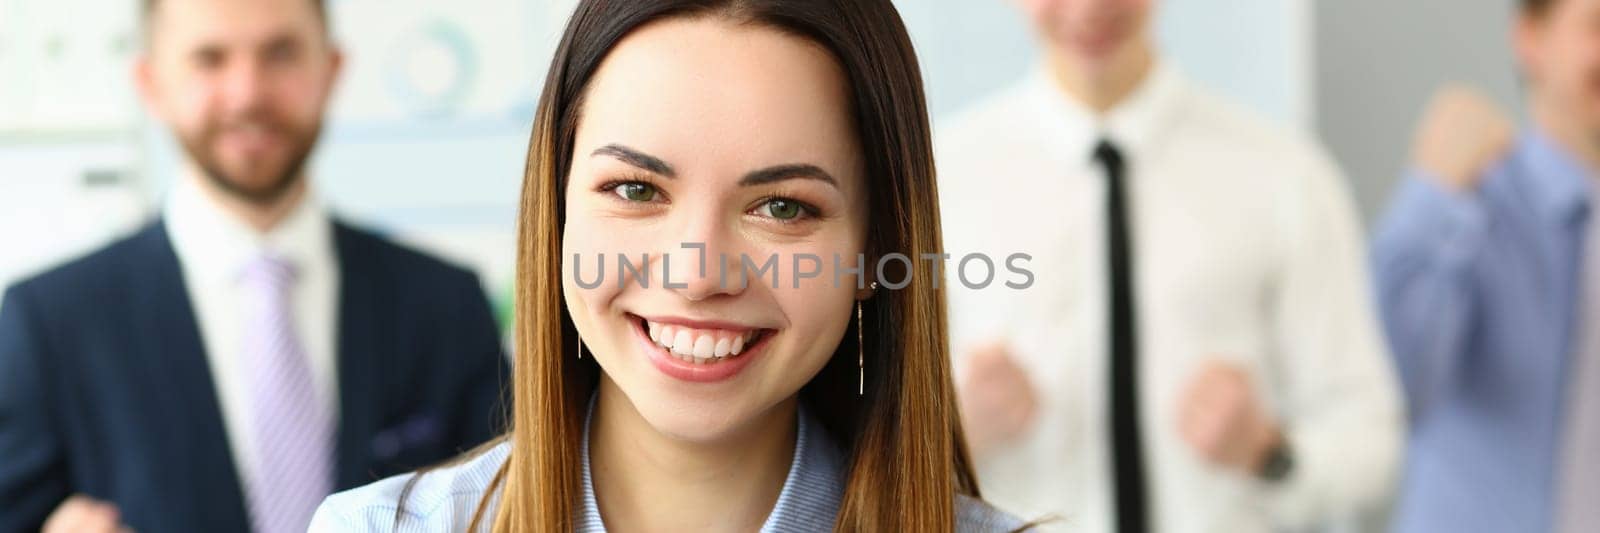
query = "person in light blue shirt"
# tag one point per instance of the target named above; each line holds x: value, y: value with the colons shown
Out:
x: 713, y: 332
x: 1479, y: 266
x: 1477, y: 292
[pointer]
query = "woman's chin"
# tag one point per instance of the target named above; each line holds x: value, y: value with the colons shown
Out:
x: 692, y: 421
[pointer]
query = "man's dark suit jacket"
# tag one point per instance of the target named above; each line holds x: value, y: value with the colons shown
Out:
x: 105, y: 389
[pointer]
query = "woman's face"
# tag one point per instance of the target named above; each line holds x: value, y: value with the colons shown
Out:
x: 738, y: 138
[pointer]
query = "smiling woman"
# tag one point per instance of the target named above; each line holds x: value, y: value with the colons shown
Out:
x: 753, y: 128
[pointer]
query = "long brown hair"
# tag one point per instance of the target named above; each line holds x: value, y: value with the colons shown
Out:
x: 906, y: 457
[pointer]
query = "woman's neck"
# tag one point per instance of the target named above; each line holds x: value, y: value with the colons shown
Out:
x: 647, y: 481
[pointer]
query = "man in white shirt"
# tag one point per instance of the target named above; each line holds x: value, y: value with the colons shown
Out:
x: 1198, y: 352
x: 231, y: 364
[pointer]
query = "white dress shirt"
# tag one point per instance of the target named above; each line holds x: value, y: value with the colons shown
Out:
x: 1246, y: 248
x: 213, y: 248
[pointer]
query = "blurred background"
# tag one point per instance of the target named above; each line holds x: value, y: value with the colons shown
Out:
x: 429, y: 125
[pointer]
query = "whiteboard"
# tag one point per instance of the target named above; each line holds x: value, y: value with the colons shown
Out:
x: 417, y: 64
x: 64, y: 66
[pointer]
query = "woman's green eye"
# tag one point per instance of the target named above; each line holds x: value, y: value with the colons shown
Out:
x: 784, y: 209
x: 636, y: 192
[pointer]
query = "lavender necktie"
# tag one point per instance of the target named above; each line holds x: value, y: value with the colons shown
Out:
x: 1578, y: 496
x: 292, y: 431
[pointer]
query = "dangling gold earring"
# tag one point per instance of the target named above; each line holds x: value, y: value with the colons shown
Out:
x: 861, y: 356
x: 580, y: 349
x: 861, y: 351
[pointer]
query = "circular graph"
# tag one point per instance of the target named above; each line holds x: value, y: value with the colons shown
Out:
x: 433, y: 68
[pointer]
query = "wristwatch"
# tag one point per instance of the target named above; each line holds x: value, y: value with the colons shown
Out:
x: 1278, y: 464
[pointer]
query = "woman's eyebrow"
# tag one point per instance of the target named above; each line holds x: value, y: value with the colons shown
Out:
x: 764, y: 176
x: 788, y: 172
x: 636, y: 158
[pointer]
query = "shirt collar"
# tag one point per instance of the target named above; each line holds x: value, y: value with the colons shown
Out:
x: 1134, y: 125
x: 811, y: 493
x: 216, y: 246
x: 1558, y: 182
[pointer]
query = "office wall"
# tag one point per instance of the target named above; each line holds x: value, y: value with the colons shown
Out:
x: 1378, y: 60
x: 68, y: 121
x: 428, y: 129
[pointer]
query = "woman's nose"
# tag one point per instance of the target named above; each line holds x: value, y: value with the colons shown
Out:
x: 705, y: 265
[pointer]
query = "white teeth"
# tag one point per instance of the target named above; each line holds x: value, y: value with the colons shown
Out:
x: 683, y: 343
x: 698, y: 346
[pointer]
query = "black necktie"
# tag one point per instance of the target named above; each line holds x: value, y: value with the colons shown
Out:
x: 1126, y: 449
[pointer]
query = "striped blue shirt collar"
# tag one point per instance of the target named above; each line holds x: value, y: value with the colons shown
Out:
x: 1558, y: 181
x: 811, y: 494
x: 447, y: 499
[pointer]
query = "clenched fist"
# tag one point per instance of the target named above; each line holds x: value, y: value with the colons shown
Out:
x: 1222, y: 419
x: 1461, y: 135
x: 82, y: 514
x: 997, y: 400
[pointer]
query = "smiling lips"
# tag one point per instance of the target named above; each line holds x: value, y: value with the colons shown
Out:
x: 249, y: 137
x: 700, y: 346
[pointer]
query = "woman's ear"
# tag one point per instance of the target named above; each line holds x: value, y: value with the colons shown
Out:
x: 868, y: 279
x: 870, y: 288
